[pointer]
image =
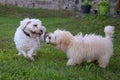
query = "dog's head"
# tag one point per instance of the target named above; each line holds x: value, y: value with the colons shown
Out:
x: 51, y: 39
x: 60, y: 39
x: 32, y: 27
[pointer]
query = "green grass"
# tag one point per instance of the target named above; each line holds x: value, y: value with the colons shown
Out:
x: 50, y: 63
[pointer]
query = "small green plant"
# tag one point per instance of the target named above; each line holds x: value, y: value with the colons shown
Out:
x: 104, y: 3
x: 103, y: 7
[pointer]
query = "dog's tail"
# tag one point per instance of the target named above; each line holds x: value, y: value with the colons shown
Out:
x: 109, y: 31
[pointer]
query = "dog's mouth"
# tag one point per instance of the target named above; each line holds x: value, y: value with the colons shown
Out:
x: 35, y: 33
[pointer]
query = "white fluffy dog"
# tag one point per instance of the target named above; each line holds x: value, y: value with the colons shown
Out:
x: 27, y: 37
x: 81, y: 48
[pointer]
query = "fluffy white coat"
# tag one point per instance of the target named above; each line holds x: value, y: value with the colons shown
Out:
x: 28, y: 45
x: 81, y: 48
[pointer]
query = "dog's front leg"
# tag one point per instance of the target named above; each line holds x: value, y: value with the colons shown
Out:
x: 30, y: 53
x: 22, y: 52
x: 71, y: 62
x: 74, y: 61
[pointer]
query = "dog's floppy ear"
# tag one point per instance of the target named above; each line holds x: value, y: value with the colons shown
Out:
x: 64, y: 39
x: 25, y: 22
x: 64, y: 44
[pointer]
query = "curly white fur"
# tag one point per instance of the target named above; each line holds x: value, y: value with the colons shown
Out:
x: 27, y: 37
x: 81, y: 48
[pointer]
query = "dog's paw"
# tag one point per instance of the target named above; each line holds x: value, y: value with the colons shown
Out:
x: 30, y: 57
x: 103, y: 65
x: 70, y: 62
x: 34, y: 54
x: 19, y: 54
x: 89, y: 61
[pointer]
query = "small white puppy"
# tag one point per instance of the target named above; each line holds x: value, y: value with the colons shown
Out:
x: 81, y: 48
x: 27, y: 37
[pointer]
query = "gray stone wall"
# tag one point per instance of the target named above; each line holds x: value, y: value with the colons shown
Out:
x: 47, y: 4
x: 50, y: 4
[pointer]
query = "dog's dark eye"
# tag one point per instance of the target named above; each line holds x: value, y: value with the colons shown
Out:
x: 49, y: 37
x: 35, y: 25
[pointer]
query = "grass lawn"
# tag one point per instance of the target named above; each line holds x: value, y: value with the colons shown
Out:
x: 50, y: 63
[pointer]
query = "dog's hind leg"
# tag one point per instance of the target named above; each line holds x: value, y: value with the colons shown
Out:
x: 103, y: 62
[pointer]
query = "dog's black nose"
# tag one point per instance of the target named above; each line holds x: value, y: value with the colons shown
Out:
x: 40, y: 32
